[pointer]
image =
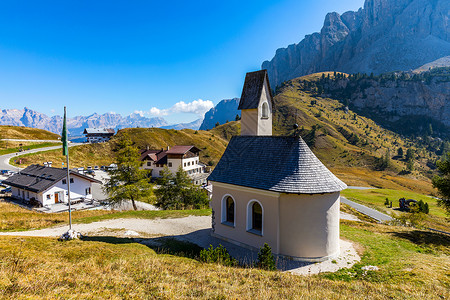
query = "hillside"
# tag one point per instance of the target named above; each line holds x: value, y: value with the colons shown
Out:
x: 354, y: 147
x: 406, y: 102
x: 383, y: 36
x: 26, y: 133
x: 212, y: 143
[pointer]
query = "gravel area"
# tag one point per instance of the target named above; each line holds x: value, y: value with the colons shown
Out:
x: 194, y: 229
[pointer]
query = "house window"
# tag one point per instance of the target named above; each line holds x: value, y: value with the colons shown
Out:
x: 49, y: 196
x: 265, y: 110
x: 88, y: 191
x: 170, y: 165
x: 71, y: 180
x: 185, y: 164
x: 64, y: 181
x: 189, y: 163
x: 255, y: 217
x: 149, y: 164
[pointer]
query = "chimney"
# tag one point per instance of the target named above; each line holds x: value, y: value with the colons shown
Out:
x: 168, y: 148
x: 148, y: 148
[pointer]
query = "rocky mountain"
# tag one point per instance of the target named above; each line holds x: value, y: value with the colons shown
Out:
x: 30, y: 118
x: 405, y: 102
x: 195, y: 125
x: 225, y: 110
x: 383, y: 36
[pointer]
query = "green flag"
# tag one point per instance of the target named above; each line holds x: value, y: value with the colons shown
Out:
x: 64, y: 135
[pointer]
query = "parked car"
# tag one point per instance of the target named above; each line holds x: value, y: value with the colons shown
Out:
x: 103, y: 168
x: 4, y: 172
x: 89, y: 172
x: 6, y: 190
x: 89, y: 168
x: 96, y: 168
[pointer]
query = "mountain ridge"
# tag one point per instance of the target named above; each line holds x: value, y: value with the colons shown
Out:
x: 383, y: 36
x: 30, y: 118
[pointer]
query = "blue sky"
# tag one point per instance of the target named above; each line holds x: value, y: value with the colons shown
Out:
x: 172, y: 59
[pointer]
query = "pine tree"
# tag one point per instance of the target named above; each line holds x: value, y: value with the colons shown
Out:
x: 266, y: 260
x: 442, y: 183
x: 128, y: 181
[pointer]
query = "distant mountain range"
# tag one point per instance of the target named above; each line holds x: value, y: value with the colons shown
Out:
x: 191, y: 125
x: 383, y: 36
x: 31, y: 118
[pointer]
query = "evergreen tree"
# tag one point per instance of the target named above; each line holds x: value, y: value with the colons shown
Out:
x: 238, y: 117
x: 266, y: 260
x: 178, y: 192
x: 409, y: 154
x: 400, y: 152
x: 128, y: 181
x: 442, y: 183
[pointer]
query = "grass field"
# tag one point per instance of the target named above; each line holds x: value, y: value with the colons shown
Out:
x: 413, y: 265
x: 26, y: 133
x: 437, y: 218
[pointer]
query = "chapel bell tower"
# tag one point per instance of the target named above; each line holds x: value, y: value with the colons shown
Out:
x: 256, y: 104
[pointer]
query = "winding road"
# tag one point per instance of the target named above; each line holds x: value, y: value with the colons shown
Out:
x: 4, y: 159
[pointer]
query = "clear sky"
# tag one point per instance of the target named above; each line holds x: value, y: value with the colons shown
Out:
x: 168, y: 58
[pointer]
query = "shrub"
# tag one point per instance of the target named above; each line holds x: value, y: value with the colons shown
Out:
x: 386, y: 202
x: 219, y: 255
x: 266, y: 260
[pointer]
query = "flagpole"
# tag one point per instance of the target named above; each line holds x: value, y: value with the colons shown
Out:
x: 66, y: 152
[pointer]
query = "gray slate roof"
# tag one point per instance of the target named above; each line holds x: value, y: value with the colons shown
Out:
x: 251, y: 92
x: 36, y: 178
x: 99, y: 131
x: 274, y: 163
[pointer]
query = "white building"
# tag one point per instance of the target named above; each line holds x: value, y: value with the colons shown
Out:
x: 47, y: 185
x: 273, y: 189
x: 98, y: 135
x: 185, y: 156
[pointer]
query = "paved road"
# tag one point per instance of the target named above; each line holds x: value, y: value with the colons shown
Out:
x: 375, y: 214
x: 32, y: 141
x: 4, y: 159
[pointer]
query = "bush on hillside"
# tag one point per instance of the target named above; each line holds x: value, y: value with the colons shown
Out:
x: 218, y: 255
x: 266, y: 260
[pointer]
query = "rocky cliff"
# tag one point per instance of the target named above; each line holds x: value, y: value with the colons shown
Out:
x: 225, y: 110
x: 383, y: 36
x: 403, y: 102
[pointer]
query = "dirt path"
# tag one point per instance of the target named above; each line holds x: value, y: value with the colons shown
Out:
x: 158, y: 226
